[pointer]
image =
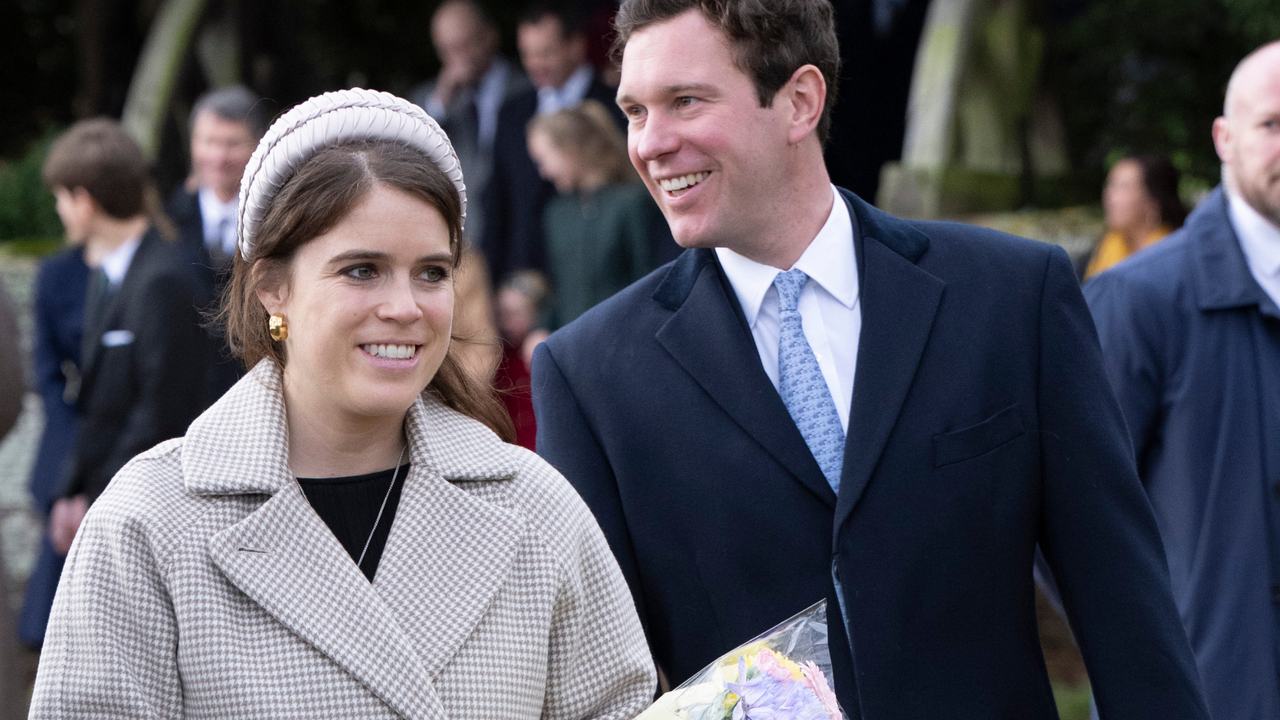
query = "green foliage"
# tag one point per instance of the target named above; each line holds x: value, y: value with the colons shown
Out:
x: 1149, y: 76
x: 26, y: 206
x: 1073, y: 702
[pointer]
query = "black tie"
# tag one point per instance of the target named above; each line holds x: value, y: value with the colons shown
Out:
x: 97, y: 300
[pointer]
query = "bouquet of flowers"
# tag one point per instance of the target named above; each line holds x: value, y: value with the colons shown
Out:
x: 781, y: 675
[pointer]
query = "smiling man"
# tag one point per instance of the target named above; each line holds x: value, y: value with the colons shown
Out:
x: 1190, y: 331
x: 818, y: 400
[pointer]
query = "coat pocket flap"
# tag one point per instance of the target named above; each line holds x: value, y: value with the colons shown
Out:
x: 970, y: 442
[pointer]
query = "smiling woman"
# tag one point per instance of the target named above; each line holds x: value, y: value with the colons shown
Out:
x: 345, y: 533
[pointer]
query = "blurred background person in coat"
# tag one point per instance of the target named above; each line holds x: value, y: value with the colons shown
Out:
x: 1190, y: 333
x: 520, y: 304
x: 1141, y: 205
x: 553, y: 51
x: 58, y: 310
x: 143, y: 353
x: 602, y: 229
x: 225, y: 127
x: 474, y: 81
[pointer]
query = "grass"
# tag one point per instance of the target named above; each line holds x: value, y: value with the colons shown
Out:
x: 1073, y: 702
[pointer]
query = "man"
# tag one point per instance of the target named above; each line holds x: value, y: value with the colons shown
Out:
x: 474, y: 82
x: 553, y: 51
x: 1190, y: 333
x: 226, y: 125
x: 144, y: 355
x: 703, y: 412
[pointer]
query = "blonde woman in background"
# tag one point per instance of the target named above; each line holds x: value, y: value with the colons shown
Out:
x: 602, y: 229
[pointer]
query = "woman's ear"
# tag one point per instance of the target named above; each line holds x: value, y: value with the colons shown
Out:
x: 272, y: 290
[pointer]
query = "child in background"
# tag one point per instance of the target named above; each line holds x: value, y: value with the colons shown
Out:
x: 519, y: 306
x: 603, y: 230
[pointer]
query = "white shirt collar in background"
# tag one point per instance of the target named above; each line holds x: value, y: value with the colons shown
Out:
x: 212, y: 212
x: 568, y: 95
x: 1260, y: 241
x: 115, y: 264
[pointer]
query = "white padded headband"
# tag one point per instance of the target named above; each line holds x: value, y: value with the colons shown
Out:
x: 328, y: 119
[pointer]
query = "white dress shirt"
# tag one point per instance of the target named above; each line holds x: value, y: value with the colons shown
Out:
x: 489, y: 93
x: 830, y: 305
x: 568, y: 95
x: 115, y: 264
x: 219, y: 236
x: 1260, y: 241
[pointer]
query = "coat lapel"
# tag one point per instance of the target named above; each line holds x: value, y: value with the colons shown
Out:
x: 285, y: 559
x: 111, y: 314
x: 899, y: 302
x: 1222, y: 277
x: 447, y: 555
x: 709, y: 340
x: 447, y: 544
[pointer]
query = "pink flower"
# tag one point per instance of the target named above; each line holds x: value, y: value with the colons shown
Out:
x: 817, y: 682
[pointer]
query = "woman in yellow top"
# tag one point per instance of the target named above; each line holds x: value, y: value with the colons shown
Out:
x: 1141, y: 205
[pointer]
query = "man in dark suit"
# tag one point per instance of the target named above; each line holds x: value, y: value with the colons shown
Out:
x: 226, y: 125
x: 1190, y: 332
x: 473, y: 84
x: 143, y: 356
x: 703, y: 412
x: 553, y: 51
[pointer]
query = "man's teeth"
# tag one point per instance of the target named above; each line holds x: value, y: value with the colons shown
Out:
x: 391, y: 352
x: 683, y: 181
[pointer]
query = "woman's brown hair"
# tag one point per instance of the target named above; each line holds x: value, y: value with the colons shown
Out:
x: 323, y: 191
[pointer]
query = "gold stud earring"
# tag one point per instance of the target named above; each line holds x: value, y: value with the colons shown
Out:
x: 278, y: 328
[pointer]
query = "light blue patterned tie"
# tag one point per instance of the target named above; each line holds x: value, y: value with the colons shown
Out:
x: 800, y: 382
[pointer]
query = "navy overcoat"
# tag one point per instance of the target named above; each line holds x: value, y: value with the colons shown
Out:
x: 1192, y: 346
x: 981, y: 424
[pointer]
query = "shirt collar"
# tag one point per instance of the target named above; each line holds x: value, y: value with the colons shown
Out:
x: 829, y: 261
x: 212, y: 209
x: 116, y: 263
x: 1259, y: 238
x: 568, y: 95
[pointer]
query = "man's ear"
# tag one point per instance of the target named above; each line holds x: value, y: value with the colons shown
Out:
x: 273, y: 292
x: 806, y: 92
x: 1222, y: 138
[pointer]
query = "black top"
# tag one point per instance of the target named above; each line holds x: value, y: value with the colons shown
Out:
x: 349, y: 505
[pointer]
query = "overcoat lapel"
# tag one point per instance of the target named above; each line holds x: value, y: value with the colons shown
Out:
x: 285, y: 559
x: 445, y: 543
x: 899, y: 302
x: 446, y: 557
x: 707, y: 339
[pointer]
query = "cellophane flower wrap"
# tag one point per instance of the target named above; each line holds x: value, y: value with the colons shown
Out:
x: 785, y: 674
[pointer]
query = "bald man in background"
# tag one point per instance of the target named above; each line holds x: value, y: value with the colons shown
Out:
x: 1190, y: 331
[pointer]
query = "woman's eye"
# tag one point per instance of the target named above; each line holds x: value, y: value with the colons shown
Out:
x: 360, y: 272
x: 434, y: 274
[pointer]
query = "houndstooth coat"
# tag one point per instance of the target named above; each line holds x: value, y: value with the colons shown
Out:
x: 203, y: 585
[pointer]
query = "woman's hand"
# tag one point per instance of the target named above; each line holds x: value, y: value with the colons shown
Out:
x: 64, y: 521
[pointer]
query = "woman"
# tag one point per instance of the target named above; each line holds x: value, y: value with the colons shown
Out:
x: 602, y: 230
x: 343, y: 534
x: 1141, y: 206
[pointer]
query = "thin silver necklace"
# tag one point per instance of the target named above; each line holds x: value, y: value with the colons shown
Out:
x: 376, y: 520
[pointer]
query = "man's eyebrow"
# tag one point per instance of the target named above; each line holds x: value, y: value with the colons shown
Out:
x: 678, y: 89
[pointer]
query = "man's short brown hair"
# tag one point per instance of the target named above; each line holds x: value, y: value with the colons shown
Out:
x: 771, y: 39
x: 99, y: 156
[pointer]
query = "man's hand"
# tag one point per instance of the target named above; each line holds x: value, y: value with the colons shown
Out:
x: 64, y: 521
x: 453, y: 77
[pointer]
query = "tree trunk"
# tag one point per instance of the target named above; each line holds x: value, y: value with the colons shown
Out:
x: 168, y: 42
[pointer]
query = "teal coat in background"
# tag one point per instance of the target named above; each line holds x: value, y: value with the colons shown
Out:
x: 599, y: 243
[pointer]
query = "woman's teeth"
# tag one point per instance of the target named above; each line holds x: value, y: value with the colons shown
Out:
x: 683, y: 182
x: 391, y: 352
